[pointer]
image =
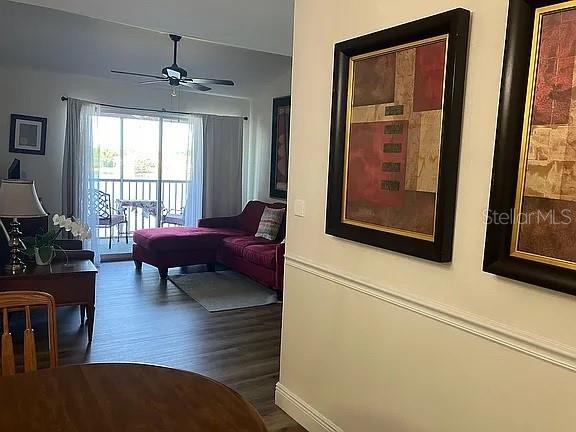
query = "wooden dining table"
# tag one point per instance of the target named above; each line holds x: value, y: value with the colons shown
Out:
x: 122, y: 397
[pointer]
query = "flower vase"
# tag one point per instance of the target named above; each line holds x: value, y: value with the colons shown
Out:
x: 44, y: 255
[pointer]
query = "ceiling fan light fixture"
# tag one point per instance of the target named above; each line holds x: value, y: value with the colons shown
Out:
x: 174, y: 72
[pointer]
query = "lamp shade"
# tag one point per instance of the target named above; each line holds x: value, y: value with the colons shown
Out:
x: 18, y: 199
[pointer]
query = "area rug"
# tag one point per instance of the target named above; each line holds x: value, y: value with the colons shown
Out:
x: 224, y: 290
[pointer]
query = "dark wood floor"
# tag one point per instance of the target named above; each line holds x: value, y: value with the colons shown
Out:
x: 141, y: 319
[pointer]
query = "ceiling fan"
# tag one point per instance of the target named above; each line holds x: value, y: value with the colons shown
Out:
x: 176, y: 76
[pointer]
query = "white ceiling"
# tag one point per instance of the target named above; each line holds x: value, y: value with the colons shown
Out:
x: 263, y: 25
x: 44, y: 38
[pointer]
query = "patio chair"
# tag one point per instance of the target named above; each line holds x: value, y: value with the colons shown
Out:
x: 110, y: 217
x: 173, y: 217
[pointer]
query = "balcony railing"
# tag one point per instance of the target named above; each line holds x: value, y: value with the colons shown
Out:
x: 172, y: 199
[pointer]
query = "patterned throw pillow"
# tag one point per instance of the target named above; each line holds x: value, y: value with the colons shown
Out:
x: 270, y: 223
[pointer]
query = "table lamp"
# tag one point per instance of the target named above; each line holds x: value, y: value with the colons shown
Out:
x: 18, y: 200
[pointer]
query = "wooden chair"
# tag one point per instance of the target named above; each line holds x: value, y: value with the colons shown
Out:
x: 25, y: 300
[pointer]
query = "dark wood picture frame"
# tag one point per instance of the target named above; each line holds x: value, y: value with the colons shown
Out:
x: 455, y: 23
x: 14, y: 148
x: 507, y: 154
x: 277, y: 104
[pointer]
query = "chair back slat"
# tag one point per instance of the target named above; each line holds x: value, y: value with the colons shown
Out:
x: 30, y: 364
x: 26, y: 300
x: 8, y: 363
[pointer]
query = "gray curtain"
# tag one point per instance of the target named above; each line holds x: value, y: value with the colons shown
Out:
x: 79, y: 168
x: 222, y: 166
x: 71, y: 169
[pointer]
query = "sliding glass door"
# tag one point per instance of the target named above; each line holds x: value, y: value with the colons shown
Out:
x: 142, y: 165
x: 174, y: 168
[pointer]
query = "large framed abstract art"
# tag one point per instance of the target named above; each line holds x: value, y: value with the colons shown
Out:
x: 280, y: 147
x: 395, y: 136
x: 531, y: 221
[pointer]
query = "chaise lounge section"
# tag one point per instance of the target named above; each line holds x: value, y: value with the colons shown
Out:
x: 226, y: 240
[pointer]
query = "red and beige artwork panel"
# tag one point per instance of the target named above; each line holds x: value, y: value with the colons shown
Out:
x: 393, y: 146
x: 549, y: 189
x: 282, y: 140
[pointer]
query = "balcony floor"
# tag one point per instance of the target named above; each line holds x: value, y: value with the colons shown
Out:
x: 118, y: 247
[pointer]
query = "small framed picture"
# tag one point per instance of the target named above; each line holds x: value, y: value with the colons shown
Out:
x: 27, y: 134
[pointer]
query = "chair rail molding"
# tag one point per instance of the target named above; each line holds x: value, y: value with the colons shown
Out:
x: 525, y: 342
x: 302, y: 412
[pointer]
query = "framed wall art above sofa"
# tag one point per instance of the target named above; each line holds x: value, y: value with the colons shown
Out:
x: 395, y: 136
x: 280, y: 147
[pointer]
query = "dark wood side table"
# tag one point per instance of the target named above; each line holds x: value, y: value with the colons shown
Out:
x: 70, y: 284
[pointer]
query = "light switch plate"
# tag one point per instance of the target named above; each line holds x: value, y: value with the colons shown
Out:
x: 299, y: 208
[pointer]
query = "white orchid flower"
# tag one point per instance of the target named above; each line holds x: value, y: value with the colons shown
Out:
x: 76, y: 227
x: 84, y: 231
x: 58, y: 219
x: 66, y: 224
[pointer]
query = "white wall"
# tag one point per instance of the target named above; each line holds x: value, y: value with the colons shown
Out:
x: 38, y: 92
x: 379, y: 341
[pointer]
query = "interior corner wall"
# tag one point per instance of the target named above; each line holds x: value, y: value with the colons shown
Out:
x: 38, y: 92
x: 379, y: 341
x: 257, y: 156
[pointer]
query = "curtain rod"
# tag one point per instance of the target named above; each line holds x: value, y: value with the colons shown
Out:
x: 64, y: 98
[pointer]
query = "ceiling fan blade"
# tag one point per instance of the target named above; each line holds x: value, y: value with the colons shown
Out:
x: 137, y: 74
x: 195, y: 86
x: 154, y: 81
x: 210, y: 81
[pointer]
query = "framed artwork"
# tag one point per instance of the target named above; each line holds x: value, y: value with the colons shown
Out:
x: 27, y: 134
x: 395, y: 136
x: 280, y: 147
x: 531, y: 220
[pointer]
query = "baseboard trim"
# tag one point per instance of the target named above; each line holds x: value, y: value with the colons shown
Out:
x: 303, y: 413
x: 525, y: 342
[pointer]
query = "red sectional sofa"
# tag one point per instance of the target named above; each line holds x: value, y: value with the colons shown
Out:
x: 226, y: 240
